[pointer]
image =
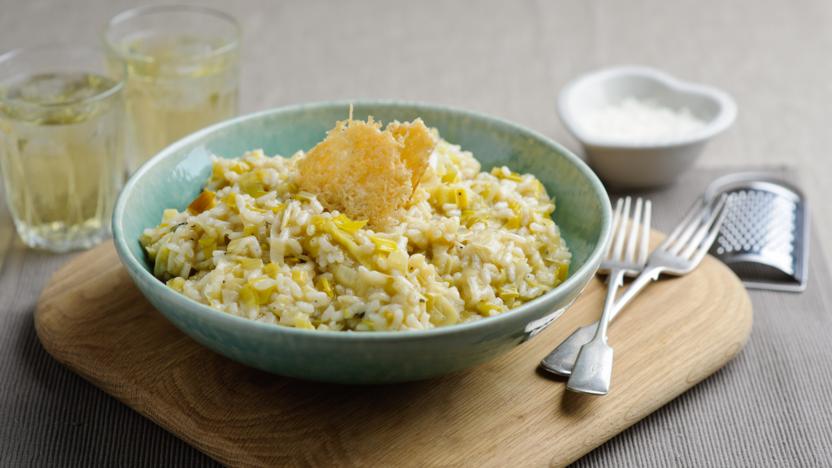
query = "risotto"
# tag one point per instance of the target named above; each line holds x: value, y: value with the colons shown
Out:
x: 464, y: 245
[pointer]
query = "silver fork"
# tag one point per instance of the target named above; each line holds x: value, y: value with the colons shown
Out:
x: 677, y: 255
x: 594, y: 363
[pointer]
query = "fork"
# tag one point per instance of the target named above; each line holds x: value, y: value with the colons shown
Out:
x: 593, y: 366
x: 677, y: 255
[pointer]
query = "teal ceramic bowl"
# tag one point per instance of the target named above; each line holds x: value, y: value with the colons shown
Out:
x: 175, y: 176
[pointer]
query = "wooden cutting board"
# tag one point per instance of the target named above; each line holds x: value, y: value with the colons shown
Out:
x: 503, y: 413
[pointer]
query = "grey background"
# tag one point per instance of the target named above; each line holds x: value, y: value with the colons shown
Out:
x: 770, y: 406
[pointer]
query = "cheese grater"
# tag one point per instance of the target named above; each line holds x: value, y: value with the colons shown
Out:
x: 765, y: 235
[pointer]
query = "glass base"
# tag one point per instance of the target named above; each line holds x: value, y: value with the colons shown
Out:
x: 58, y: 238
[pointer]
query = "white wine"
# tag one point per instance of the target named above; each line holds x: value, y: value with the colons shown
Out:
x: 61, y: 154
x: 175, y: 85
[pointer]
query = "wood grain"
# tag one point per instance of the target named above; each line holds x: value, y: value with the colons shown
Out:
x: 506, y: 412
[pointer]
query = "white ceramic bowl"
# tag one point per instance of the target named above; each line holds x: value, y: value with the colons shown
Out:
x: 644, y: 164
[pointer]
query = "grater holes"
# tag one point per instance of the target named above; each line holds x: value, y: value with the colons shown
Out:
x: 758, y: 221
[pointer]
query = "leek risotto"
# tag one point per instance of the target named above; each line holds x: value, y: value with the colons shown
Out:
x: 373, y: 229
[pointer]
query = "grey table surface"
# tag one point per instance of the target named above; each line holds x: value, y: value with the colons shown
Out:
x: 770, y: 406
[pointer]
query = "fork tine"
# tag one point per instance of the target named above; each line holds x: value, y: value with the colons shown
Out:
x: 703, y: 230
x: 616, y: 218
x: 695, y: 207
x: 687, y: 233
x: 621, y: 233
x: 645, y: 234
x: 706, y: 244
x: 632, y: 239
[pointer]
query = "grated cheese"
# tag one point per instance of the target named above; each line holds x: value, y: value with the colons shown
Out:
x: 640, y: 121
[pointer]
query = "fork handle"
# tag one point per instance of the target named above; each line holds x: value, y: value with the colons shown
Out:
x: 614, y: 281
x: 593, y: 367
x: 647, y: 276
x: 561, y: 360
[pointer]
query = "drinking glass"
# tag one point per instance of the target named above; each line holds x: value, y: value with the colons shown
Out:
x: 182, y: 65
x: 61, y: 144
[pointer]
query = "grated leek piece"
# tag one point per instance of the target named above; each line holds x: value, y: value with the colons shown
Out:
x: 252, y: 183
x: 248, y: 297
x: 263, y: 289
x: 384, y: 245
x: 302, y: 321
x: 279, y: 208
x: 231, y: 201
x: 514, y: 221
x: 207, y: 244
x: 304, y: 196
x: 470, y: 217
x: 508, y: 294
x: 300, y: 276
x: 250, y: 263
x: 346, y: 224
x: 323, y: 285
x: 450, y: 177
x: 271, y: 269
x: 563, y: 271
x: 485, y: 308
x: 504, y: 173
x: 341, y: 237
x: 177, y: 284
x: 443, y: 313
x: 461, y: 197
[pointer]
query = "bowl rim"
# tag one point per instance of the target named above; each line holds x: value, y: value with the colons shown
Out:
x: 139, y: 273
x: 724, y: 118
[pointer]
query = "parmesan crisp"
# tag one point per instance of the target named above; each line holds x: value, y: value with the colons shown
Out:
x: 366, y: 172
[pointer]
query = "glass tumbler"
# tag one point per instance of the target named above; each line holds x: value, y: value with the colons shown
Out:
x: 61, y: 144
x: 182, y: 65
